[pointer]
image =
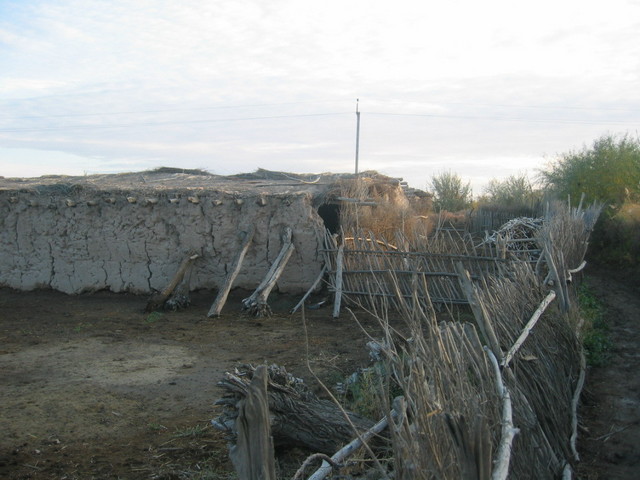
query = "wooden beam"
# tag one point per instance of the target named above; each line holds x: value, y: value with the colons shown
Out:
x: 479, y: 311
x: 338, y: 283
x: 257, y: 302
x: 246, y: 239
x: 157, y: 301
x: 311, y: 289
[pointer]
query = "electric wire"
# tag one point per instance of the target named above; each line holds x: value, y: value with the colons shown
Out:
x: 158, y: 110
x: 165, y: 123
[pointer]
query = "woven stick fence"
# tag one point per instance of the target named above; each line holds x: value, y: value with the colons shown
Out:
x: 358, y: 267
x: 495, y: 398
x: 482, y: 408
x: 492, y: 398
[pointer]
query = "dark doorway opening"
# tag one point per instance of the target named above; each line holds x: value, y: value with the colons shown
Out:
x: 330, y: 214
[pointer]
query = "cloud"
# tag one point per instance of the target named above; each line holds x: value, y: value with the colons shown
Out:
x: 483, y: 88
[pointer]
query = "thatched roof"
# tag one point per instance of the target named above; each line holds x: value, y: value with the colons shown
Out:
x: 172, y: 179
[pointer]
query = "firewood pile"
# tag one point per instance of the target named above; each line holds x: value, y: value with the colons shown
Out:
x: 519, y: 236
x: 298, y: 417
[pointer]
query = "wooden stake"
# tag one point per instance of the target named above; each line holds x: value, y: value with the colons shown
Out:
x: 157, y: 301
x: 223, y: 293
x: 479, y: 311
x: 257, y: 302
x: 503, y: 455
x: 338, y: 282
x: 253, y: 455
x: 311, y: 289
x: 528, y: 327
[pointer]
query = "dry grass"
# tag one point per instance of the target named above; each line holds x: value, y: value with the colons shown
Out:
x: 453, y: 421
x: 393, y: 212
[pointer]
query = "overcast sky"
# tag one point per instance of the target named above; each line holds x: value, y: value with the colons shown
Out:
x: 483, y: 89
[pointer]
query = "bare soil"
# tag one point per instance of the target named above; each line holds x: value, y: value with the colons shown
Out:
x: 609, y: 442
x: 92, y: 387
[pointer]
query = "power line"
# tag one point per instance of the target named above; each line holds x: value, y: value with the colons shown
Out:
x: 272, y: 117
x: 324, y: 102
x: 502, y: 105
x: 160, y: 110
x: 175, y: 122
x: 507, y: 119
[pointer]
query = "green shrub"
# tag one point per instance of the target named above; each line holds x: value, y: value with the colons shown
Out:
x: 616, y: 237
x: 608, y: 171
x: 364, y: 391
x: 451, y: 193
x: 595, y: 334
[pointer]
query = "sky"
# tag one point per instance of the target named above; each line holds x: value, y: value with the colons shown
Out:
x: 482, y: 89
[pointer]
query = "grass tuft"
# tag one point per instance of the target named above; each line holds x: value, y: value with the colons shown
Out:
x: 596, y: 338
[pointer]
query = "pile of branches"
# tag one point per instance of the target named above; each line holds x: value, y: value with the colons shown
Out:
x: 518, y: 229
x: 298, y: 417
x: 518, y: 236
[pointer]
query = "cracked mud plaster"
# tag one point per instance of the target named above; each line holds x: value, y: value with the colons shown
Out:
x: 96, y: 244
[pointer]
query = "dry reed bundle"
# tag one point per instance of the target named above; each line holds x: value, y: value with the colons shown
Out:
x: 453, y: 423
x: 541, y: 375
x: 378, y: 204
x: 448, y: 422
x: 565, y: 238
x: 462, y: 398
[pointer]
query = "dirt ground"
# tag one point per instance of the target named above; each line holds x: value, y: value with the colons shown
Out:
x: 92, y: 387
x: 609, y: 442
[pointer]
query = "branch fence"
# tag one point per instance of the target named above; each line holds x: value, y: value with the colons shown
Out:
x: 490, y: 398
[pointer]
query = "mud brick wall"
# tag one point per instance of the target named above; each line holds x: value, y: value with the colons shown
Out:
x: 129, y: 241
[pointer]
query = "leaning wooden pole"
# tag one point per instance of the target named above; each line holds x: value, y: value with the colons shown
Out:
x: 479, y: 310
x: 503, y: 455
x: 257, y: 302
x: 528, y: 327
x: 311, y: 289
x: 158, y: 300
x: 246, y: 238
x: 338, y: 283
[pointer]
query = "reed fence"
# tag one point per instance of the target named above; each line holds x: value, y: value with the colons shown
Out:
x: 491, y: 398
x: 359, y: 266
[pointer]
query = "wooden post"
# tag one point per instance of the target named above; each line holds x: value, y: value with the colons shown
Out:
x: 503, y: 455
x: 479, y: 311
x: 257, y: 302
x: 253, y: 455
x: 223, y: 293
x: 157, y: 301
x: 311, y: 289
x: 528, y: 327
x: 338, y: 283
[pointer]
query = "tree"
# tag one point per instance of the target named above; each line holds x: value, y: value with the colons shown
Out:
x: 450, y: 192
x: 514, y: 191
x: 609, y: 171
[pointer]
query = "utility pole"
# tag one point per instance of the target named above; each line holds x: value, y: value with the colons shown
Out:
x: 357, y: 133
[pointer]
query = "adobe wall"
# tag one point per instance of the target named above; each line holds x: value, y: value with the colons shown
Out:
x: 93, y: 240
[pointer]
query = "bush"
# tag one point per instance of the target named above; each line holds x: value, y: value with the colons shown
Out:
x: 609, y: 171
x: 595, y: 339
x: 451, y: 194
x: 516, y: 193
x: 616, y: 237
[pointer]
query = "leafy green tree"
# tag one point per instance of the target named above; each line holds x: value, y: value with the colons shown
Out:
x: 609, y: 171
x: 514, y: 191
x: 450, y: 193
